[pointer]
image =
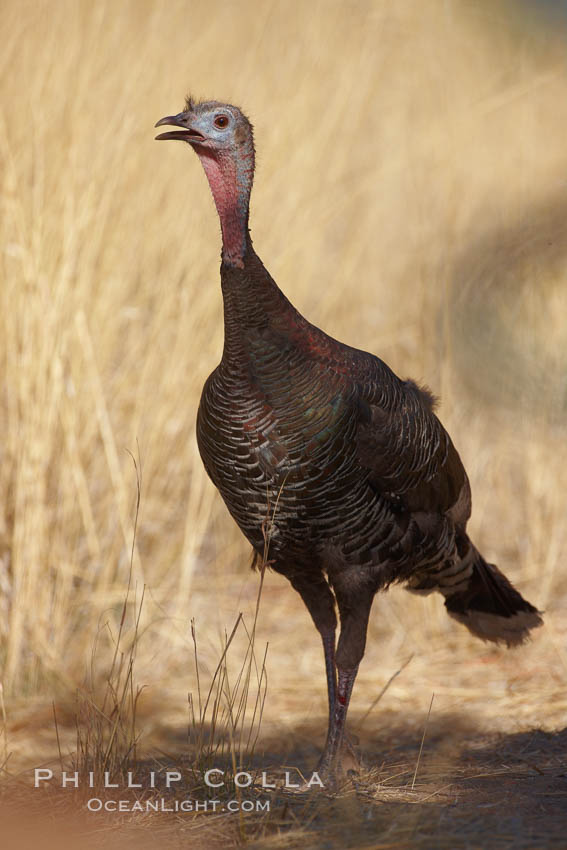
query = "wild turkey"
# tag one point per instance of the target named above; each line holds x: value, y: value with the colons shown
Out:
x: 368, y: 485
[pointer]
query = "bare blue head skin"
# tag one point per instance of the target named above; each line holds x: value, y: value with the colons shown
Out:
x: 221, y: 136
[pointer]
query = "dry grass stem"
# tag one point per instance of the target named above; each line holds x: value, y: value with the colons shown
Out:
x: 422, y: 742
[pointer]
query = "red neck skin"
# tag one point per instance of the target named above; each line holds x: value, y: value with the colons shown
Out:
x: 230, y: 178
x: 251, y: 300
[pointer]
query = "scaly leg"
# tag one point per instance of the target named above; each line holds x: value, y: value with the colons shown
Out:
x: 320, y: 603
x: 330, y: 760
x: 328, y: 637
x: 355, y: 601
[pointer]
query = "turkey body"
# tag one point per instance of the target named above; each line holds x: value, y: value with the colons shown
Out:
x: 338, y: 472
x: 321, y: 444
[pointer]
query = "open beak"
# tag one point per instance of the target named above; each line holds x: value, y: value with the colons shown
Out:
x: 186, y: 134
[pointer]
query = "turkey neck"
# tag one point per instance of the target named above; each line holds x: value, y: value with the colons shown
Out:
x: 230, y: 174
x: 254, y: 306
x: 257, y: 314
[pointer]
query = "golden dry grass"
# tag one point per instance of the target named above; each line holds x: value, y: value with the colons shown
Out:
x: 410, y: 199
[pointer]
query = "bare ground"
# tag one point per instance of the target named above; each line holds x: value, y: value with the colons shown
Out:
x: 492, y: 772
x: 472, y: 790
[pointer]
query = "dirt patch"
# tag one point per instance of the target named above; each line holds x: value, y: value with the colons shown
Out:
x: 470, y: 790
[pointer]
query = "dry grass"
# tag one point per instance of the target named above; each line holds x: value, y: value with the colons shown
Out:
x: 410, y: 200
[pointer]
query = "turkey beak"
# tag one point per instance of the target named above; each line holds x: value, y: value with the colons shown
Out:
x: 187, y: 134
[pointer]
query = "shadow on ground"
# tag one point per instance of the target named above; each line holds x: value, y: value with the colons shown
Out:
x: 471, y: 789
x: 468, y: 788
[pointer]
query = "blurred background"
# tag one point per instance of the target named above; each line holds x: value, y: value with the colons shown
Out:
x: 410, y: 198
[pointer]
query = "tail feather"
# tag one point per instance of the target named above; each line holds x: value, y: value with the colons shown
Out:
x: 490, y: 607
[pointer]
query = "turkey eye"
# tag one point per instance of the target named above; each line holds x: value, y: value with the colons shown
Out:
x: 221, y: 121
